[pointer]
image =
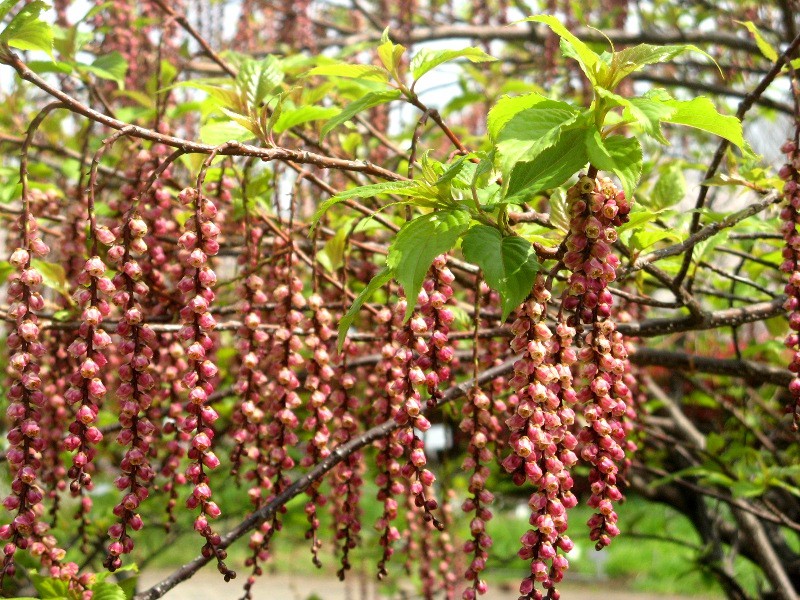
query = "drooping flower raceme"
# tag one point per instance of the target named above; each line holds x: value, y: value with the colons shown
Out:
x: 596, y: 208
x: 199, y: 241
x: 541, y: 440
x: 790, y: 214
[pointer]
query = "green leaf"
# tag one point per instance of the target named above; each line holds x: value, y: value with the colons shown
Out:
x: 700, y: 113
x: 391, y: 54
x: 427, y: 59
x: 49, y: 587
x: 304, y: 114
x: 416, y: 245
x: 26, y: 31
x: 508, y: 262
x: 629, y: 60
x: 258, y: 79
x: 506, y: 108
x: 104, y: 590
x: 766, y: 48
x: 670, y: 188
x: 111, y: 66
x: 367, y: 101
x: 649, y: 113
x: 377, y: 282
x: 589, y: 60
x: 6, y: 6
x: 219, y: 132
x: 619, y: 154
x: 402, y: 188
x: 552, y: 166
x: 53, y: 276
x: 365, y: 72
x: 531, y: 131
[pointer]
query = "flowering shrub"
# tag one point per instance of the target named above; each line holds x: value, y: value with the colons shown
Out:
x: 268, y: 282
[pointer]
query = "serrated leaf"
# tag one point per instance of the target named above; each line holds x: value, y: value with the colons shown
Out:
x: 670, y: 188
x: 304, y: 114
x: 531, y: 131
x: 589, y: 60
x: 49, y: 66
x: 508, y: 263
x: 763, y: 45
x: 104, y: 590
x: 377, y: 282
x: 649, y: 114
x: 111, y: 66
x: 333, y: 251
x: 701, y: 113
x: 427, y: 59
x: 506, y: 108
x: 390, y: 54
x: 619, y: 154
x: 26, y: 31
x: 259, y: 78
x: 367, y: 101
x: 419, y: 242
x: 365, y: 72
x: 220, y: 132
x: 552, y: 166
x: 49, y: 587
x: 402, y: 188
x: 629, y: 60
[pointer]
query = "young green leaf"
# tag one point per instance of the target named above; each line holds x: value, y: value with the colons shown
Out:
x: 366, y: 72
x: 670, y: 188
x: 367, y: 101
x: 377, y: 282
x: 111, y: 66
x: 506, y: 108
x: 26, y: 31
x: 552, y: 167
x: 301, y: 115
x: 426, y: 59
x: 533, y: 130
x: 630, y: 60
x: 700, y: 113
x: 219, y: 132
x: 508, y: 263
x: 400, y: 188
x: 258, y: 79
x: 766, y: 48
x: 420, y: 241
x: 589, y: 60
x: 619, y: 154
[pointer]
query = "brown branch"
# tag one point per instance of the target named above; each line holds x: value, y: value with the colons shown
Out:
x: 745, y: 105
x: 751, y: 371
x: 191, y: 147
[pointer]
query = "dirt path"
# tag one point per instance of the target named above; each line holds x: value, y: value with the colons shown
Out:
x: 207, y: 585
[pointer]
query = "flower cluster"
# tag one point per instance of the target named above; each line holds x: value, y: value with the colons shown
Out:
x: 25, y: 399
x: 402, y: 390
x: 346, y: 480
x: 596, y: 209
x: 281, y: 430
x: 390, y: 450
x: 134, y: 390
x: 87, y: 390
x: 541, y: 440
x: 790, y: 214
x: 482, y: 428
x: 319, y: 379
x: 199, y: 242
